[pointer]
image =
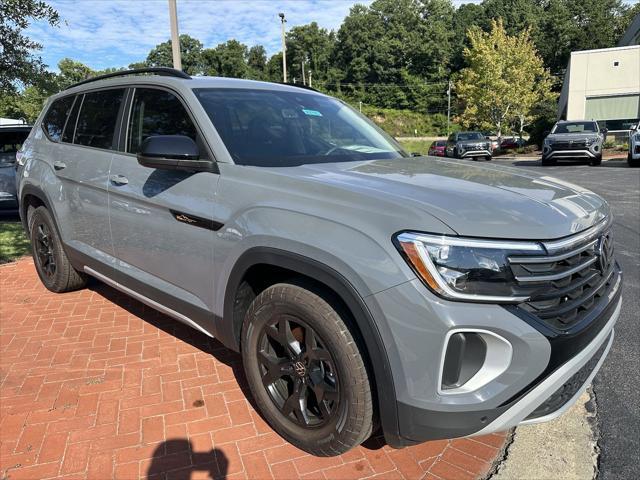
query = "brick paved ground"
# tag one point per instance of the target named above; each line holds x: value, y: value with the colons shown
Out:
x: 96, y: 385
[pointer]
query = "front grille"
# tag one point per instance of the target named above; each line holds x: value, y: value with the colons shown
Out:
x: 569, y: 145
x: 569, y: 281
x: 567, y: 391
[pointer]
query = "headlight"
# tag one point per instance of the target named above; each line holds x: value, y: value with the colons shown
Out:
x: 546, y: 141
x: 637, y: 135
x: 591, y: 141
x: 464, y: 268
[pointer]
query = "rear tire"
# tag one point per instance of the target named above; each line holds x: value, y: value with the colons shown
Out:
x: 53, y: 266
x: 305, y: 371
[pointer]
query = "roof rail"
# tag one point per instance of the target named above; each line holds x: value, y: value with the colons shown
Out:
x: 306, y: 87
x: 163, y: 71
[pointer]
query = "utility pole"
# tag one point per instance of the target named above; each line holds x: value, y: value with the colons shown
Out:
x: 448, y: 107
x: 175, y: 36
x: 304, y: 80
x: 284, y: 49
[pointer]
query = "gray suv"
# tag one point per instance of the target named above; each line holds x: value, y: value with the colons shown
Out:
x: 574, y: 140
x: 473, y: 145
x: 365, y: 288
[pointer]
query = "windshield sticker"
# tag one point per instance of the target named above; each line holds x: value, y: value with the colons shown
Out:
x: 289, y: 113
x: 311, y: 113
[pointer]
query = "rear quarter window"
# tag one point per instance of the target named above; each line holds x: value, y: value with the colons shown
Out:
x: 55, y: 119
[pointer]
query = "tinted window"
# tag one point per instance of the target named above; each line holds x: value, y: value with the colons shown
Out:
x: 286, y: 128
x: 97, y: 118
x: 470, y: 136
x: 10, y: 143
x: 576, y: 127
x: 156, y: 112
x: 56, y: 117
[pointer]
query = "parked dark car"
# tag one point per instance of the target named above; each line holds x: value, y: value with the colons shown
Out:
x: 11, y: 139
x: 511, y: 143
x: 437, y: 148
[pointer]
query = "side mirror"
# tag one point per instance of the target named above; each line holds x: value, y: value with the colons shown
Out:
x: 605, y: 131
x: 172, y: 152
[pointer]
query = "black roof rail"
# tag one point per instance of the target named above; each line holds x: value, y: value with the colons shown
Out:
x: 299, y: 85
x: 163, y: 71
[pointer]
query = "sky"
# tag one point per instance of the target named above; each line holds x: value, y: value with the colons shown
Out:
x: 115, y: 33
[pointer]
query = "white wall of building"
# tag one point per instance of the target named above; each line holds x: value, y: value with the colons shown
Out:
x: 611, y: 72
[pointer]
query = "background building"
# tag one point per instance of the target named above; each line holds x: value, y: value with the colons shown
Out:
x: 604, y: 84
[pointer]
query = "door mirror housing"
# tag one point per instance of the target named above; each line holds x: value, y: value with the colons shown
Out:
x: 172, y: 152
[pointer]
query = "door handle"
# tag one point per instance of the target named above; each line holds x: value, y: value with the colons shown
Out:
x: 118, y: 179
x: 58, y: 165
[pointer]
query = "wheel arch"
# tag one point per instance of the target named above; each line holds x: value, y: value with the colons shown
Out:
x: 228, y: 331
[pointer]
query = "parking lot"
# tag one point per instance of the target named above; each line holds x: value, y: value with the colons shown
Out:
x: 96, y: 385
x: 617, y: 384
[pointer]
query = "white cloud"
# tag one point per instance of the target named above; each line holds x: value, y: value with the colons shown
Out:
x: 104, y: 33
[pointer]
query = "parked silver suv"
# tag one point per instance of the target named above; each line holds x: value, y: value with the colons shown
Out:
x: 433, y: 298
x: 574, y: 140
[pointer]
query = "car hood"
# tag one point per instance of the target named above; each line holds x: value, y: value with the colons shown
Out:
x: 471, y: 199
x: 566, y: 137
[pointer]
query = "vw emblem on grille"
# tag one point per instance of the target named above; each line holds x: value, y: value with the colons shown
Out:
x: 300, y: 368
x: 604, y: 250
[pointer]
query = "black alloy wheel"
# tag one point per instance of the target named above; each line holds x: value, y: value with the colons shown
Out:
x: 44, y: 250
x: 53, y: 266
x: 305, y: 369
x: 298, y: 372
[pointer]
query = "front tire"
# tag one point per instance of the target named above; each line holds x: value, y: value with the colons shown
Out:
x: 547, y: 162
x: 631, y: 162
x: 596, y: 161
x: 53, y: 266
x: 305, y: 370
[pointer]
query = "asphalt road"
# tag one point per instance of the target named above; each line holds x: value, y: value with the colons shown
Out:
x: 617, y: 385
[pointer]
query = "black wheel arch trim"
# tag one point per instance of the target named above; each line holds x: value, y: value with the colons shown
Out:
x: 341, y: 286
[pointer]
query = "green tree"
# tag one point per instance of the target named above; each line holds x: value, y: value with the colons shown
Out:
x: 228, y: 59
x: 392, y: 51
x: 504, y: 80
x: 571, y: 25
x: 313, y: 46
x: 257, y: 62
x: 72, y: 72
x: 19, y: 65
x: 190, y: 50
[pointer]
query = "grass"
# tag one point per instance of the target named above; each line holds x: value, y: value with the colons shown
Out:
x: 416, y: 146
x: 13, y: 241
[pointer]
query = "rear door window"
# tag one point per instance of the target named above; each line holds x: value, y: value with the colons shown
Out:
x: 97, y: 119
x: 69, y: 129
x: 55, y: 119
x: 157, y: 112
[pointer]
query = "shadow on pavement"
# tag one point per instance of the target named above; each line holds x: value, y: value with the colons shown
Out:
x: 171, y: 453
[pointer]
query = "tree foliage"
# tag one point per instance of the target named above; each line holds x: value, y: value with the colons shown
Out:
x: 390, y: 54
x: 19, y: 65
x: 504, y: 80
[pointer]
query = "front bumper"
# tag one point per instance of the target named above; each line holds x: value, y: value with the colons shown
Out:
x: 475, y: 153
x: 545, y: 376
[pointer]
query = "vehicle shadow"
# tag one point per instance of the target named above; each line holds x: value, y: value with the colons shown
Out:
x: 172, y: 455
x: 176, y: 329
x: 201, y: 342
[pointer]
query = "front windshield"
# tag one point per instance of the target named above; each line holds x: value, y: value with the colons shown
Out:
x: 272, y: 128
x: 470, y: 136
x: 576, y: 127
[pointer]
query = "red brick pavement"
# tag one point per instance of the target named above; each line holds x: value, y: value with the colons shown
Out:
x: 96, y: 385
